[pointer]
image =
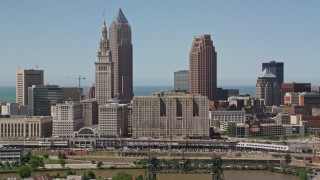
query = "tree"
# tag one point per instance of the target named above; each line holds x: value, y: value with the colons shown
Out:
x: 99, y: 164
x: 24, y: 171
x: 88, y: 175
x: 140, y: 177
x: 122, y: 176
x: 27, y: 157
x: 46, y: 156
x: 288, y: 158
x: 69, y: 172
x: 7, y: 164
x: 62, y: 162
x: 302, y: 174
x: 35, y: 162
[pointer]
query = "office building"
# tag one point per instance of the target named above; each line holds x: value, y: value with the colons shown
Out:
x: 268, y: 89
x: 104, y: 82
x: 25, y: 79
x: 282, y: 118
x: 26, y: 127
x: 171, y: 116
x: 10, y: 155
x: 238, y: 130
x: 203, y: 68
x: 181, y: 80
x: 222, y: 118
x: 121, y: 52
x: 72, y: 93
x: 7, y: 108
x: 113, y: 120
x: 67, y: 118
x: 277, y: 69
x: 90, y: 112
x: 130, y: 120
x: 41, y: 98
x: 293, y: 88
x: 91, y: 92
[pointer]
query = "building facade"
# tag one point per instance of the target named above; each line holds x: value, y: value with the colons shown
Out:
x: 26, y: 127
x: 121, y: 51
x: 176, y: 116
x: 203, y: 68
x: 181, y: 80
x: 72, y: 93
x: 67, y: 118
x: 283, y: 118
x: 41, y: 98
x: 25, y: 79
x: 104, y: 82
x: 90, y: 112
x: 268, y: 89
x: 277, y: 69
x: 293, y: 88
x: 113, y: 120
x: 222, y: 118
x: 10, y: 155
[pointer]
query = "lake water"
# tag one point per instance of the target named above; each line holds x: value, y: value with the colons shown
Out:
x: 8, y: 93
x: 228, y: 174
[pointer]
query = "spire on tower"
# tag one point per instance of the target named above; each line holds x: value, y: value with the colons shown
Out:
x: 104, y: 30
x: 120, y: 18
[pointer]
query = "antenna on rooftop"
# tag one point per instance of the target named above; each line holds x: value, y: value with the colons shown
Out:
x: 104, y: 15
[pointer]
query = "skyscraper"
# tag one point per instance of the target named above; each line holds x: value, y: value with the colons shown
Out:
x: 25, y: 79
x: 121, y: 51
x: 203, y: 67
x: 104, y: 70
x: 181, y: 80
x: 277, y: 69
x: 268, y: 89
x: 41, y: 98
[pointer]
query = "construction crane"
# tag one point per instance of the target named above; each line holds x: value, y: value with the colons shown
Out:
x: 79, y: 79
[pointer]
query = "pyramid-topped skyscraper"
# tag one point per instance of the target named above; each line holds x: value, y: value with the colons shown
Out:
x: 121, y: 50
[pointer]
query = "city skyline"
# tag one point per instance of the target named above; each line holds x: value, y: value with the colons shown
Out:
x: 62, y: 35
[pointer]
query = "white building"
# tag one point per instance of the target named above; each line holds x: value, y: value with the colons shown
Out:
x: 113, y: 119
x: 67, y: 118
x: 223, y: 117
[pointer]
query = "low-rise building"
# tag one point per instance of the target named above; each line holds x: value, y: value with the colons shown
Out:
x: 224, y: 117
x: 26, y: 127
x: 10, y: 155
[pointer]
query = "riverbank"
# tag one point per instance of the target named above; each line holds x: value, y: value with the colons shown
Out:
x: 228, y: 174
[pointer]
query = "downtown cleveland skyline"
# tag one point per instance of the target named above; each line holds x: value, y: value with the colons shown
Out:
x: 62, y: 37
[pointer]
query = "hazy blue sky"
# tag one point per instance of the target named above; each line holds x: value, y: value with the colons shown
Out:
x: 62, y: 37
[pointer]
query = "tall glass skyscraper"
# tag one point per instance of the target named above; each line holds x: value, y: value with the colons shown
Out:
x: 181, y: 80
x: 41, y: 98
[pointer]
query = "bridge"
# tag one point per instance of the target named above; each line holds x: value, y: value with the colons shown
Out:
x: 191, y: 166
